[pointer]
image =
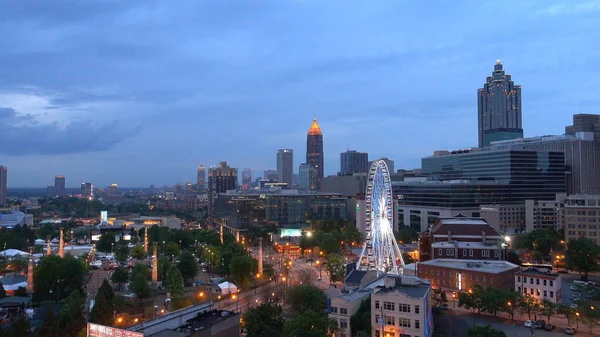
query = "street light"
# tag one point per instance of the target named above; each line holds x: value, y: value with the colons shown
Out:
x: 577, y: 319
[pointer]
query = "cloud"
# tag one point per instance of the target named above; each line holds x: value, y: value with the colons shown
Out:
x: 23, y: 135
x: 571, y: 8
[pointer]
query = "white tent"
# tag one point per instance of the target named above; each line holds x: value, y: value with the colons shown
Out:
x: 228, y: 288
x: 10, y: 253
x: 40, y: 242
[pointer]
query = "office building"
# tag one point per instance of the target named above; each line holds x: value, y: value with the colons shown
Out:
x: 59, y: 186
x: 499, y: 108
x: 285, y: 166
x: 220, y: 180
x: 454, y: 275
x: 271, y: 175
x: 308, y: 177
x: 246, y: 176
x: 401, y: 307
x: 201, y: 179
x: 352, y: 162
x: 348, y: 185
x: 87, y: 190
x: 314, y: 151
x: 541, y: 285
x: 585, y: 123
x: 582, y: 217
x: 113, y: 189
x: 343, y: 307
x: 388, y: 162
x: 526, y: 216
x: 3, y: 184
x: 50, y: 192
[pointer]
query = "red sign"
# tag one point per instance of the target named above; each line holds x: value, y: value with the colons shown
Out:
x: 97, y: 330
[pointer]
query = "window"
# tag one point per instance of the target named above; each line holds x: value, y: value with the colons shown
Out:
x: 496, y: 253
x: 404, y: 322
x: 519, y: 290
x: 552, y: 294
x: 390, y: 320
x: 544, y: 282
x: 518, y: 278
x: 484, y: 279
x: 537, y: 281
x: 417, y: 309
x: 344, y: 323
x: 334, y: 310
x: 531, y: 291
x: 417, y: 324
x: 470, y: 277
x: 545, y: 293
x: 440, y: 251
x: 538, y: 292
x: 477, y: 278
x: 491, y: 280
x: 464, y: 252
x: 470, y: 252
x: 403, y: 307
x: 389, y: 306
x: 552, y: 283
x: 377, y: 333
x: 524, y: 290
x: 531, y: 280
x: 343, y: 311
x: 376, y: 304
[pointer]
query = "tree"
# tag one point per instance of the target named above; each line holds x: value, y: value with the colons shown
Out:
x: 140, y: 287
x: 103, y: 310
x: 513, y: 257
x: 71, y: 320
x: 265, y: 320
x: 241, y: 269
x: 528, y: 305
x: 48, y: 328
x: 590, y: 314
x: 119, y: 276
x: 306, y: 297
x: 306, y: 324
x: 175, y: 282
x: 105, y: 243
x: 140, y: 269
x: 582, y: 255
x: 565, y: 310
x: 121, y: 252
x: 2, y: 291
x: 21, y: 292
x: 20, y: 327
x: 473, y: 299
x: 494, y: 300
x: 138, y: 252
x: 485, y: 331
x: 336, y: 268
x: 330, y: 244
x: 361, y: 320
x: 548, y: 308
x: 172, y: 249
x: 164, y: 265
x: 187, y: 266
x: 55, y: 277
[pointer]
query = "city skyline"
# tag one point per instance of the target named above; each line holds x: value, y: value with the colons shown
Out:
x: 105, y: 93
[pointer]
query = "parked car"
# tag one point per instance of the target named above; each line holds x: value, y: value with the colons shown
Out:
x: 573, y: 305
x: 549, y: 327
x: 528, y: 323
x: 571, y: 330
x: 539, y: 324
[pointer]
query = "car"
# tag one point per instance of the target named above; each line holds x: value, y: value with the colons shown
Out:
x: 571, y: 330
x: 528, y: 323
x: 573, y: 305
x: 549, y: 327
x: 540, y: 324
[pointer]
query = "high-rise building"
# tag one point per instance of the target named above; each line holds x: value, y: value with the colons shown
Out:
x: 285, y: 166
x: 586, y: 123
x: 390, y: 164
x: 314, y: 150
x: 353, y: 162
x: 201, y: 176
x: 3, y: 182
x: 308, y: 177
x: 271, y: 175
x: 220, y: 179
x: 87, y: 190
x: 499, y: 108
x: 59, y: 186
x: 113, y: 188
x: 246, y: 176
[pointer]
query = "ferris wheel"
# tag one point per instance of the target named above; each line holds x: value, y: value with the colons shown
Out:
x: 380, y: 251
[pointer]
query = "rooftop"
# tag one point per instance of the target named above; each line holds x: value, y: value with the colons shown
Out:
x: 476, y: 245
x: 492, y: 267
x: 410, y: 286
x: 13, y: 279
x: 354, y: 295
x: 464, y: 226
x: 314, y: 129
x: 355, y: 276
x: 537, y: 272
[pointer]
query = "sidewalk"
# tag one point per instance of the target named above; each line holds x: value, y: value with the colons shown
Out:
x: 559, y: 320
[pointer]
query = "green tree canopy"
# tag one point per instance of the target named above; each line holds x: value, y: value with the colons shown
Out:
x: 59, y: 275
x: 306, y: 297
x: 103, y: 310
x: 121, y: 252
x: 138, y: 252
x: 105, y: 243
x: 164, y: 265
x: 548, y: 309
x: 140, y: 269
x: 582, y: 255
x: 140, y: 287
x: 48, y: 328
x: 175, y: 283
x: 119, y: 276
x: 241, y: 269
x: 71, y: 320
x: 20, y: 327
x: 187, y: 266
x: 361, y: 320
x: 172, y: 249
x: 306, y: 324
x: 336, y: 268
x: 265, y: 320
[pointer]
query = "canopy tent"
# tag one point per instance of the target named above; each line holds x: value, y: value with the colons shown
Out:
x: 228, y: 288
x: 40, y: 242
x: 13, y: 253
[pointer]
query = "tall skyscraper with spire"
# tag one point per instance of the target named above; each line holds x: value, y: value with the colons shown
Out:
x: 314, y: 150
x: 499, y: 108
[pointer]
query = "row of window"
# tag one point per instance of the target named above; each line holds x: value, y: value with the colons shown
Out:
x: 484, y: 253
x: 402, y: 322
x: 343, y: 311
x: 537, y: 292
x: 537, y: 281
x: 391, y: 306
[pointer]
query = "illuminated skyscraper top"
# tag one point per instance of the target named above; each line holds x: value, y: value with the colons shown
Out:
x: 499, y: 108
x: 314, y: 150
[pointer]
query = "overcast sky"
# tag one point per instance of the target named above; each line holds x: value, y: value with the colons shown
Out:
x: 142, y: 92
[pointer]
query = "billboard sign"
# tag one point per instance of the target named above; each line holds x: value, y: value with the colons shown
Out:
x: 97, y: 330
x: 104, y: 216
x: 285, y: 232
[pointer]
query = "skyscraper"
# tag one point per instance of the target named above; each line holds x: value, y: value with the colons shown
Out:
x: 308, y: 177
x: 271, y: 175
x: 353, y: 162
x: 3, y: 184
x: 246, y: 176
x: 499, y: 108
x: 220, y: 179
x: 87, y: 190
x: 285, y: 166
x: 201, y: 176
x: 59, y: 186
x: 314, y: 150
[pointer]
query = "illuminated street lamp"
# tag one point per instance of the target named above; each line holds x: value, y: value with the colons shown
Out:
x: 577, y: 319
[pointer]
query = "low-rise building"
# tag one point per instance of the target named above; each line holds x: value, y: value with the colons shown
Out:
x: 539, y: 284
x: 401, y: 307
x: 344, y: 306
x: 461, y: 275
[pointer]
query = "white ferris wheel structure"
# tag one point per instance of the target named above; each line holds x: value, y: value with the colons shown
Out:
x: 380, y: 251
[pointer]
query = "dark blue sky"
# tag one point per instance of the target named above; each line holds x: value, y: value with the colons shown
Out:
x: 141, y: 92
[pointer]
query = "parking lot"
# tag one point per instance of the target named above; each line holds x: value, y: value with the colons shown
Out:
x: 567, y: 283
